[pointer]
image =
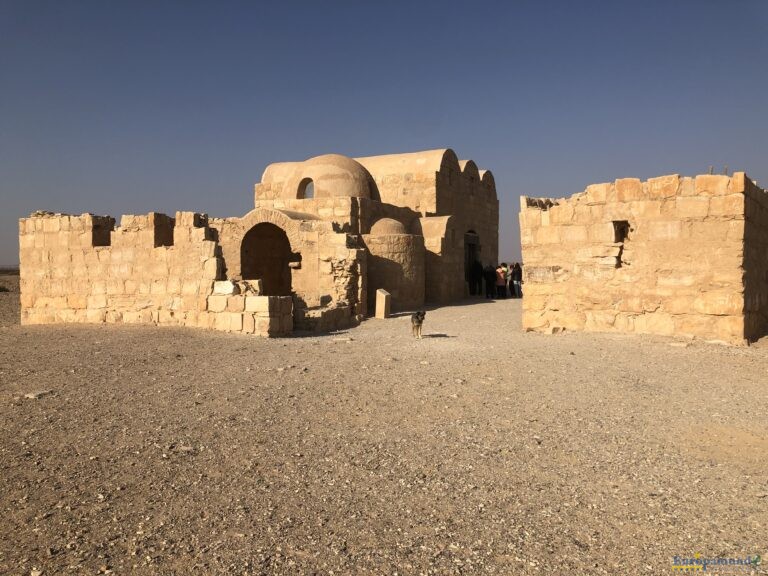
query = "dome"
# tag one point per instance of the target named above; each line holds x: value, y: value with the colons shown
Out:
x: 332, y: 175
x: 387, y: 226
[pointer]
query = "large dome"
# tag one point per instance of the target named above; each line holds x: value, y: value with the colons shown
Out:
x: 332, y: 175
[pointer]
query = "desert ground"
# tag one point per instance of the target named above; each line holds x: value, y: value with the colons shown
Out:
x: 480, y: 449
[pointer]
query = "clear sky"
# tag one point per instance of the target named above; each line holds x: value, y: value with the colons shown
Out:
x: 129, y: 107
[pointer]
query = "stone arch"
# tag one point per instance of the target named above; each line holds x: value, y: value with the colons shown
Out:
x: 290, y: 226
x: 265, y: 254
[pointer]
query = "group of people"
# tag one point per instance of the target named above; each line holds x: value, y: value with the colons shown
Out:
x: 500, y: 282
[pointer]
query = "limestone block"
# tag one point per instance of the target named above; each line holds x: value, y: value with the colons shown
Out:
x: 574, y: 234
x: 712, y: 185
x: 731, y: 205
x: 561, y: 214
x: 645, y: 209
x: 663, y: 186
x: 614, y: 211
x: 212, y: 268
x: 95, y: 316
x: 597, y: 193
x: 548, y: 235
x: 601, y: 232
x: 628, y: 189
x: 249, y: 323
x: 221, y: 321
x: 692, y: 206
x: 722, y: 303
x: 235, y: 303
x: 97, y: 301
x: 257, y: 303
x: 655, y: 323
x: 217, y: 303
x: 664, y: 230
x: 383, y: 303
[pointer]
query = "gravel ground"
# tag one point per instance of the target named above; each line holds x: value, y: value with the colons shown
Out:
x: 477, y: 450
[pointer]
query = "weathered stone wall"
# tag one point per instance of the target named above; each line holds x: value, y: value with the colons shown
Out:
x: 663, y: 256
x: 396, y: 264
x: 152, y: 270
x: 755, y: 261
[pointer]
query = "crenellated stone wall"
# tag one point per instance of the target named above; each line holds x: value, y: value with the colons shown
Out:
x: 666, y: 256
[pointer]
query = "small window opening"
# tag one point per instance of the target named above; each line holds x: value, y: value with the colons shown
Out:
x: 621, y: 232
x: 306, y: 189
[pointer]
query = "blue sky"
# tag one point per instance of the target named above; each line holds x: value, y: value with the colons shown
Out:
x: 130, y: 107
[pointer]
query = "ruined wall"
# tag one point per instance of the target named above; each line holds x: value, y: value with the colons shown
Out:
x: 152, y: 270
x: 755, y: 261
x: 663, y: 256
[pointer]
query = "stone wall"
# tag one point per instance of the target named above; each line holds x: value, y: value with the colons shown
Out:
x: 152, y: 270
x: 664, y: 256
x: 755, y: 261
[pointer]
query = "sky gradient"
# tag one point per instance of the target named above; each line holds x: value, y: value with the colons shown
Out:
x: 131, y: 107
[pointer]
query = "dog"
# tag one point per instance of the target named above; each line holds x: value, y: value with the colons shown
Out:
x: 417, y: 320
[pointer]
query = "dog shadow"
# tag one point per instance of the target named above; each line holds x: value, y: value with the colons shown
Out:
x: 437, y: 335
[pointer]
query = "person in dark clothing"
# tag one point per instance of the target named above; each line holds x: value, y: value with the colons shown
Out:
x: 489, y: 275
x: 517, y: 280
x: 476, y: 278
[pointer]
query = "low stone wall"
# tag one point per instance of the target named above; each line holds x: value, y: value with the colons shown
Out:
x: 664, y: 256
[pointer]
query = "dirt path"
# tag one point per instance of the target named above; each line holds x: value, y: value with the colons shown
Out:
x: 478, y: 450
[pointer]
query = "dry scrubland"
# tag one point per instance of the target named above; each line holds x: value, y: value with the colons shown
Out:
x: 478, y: 450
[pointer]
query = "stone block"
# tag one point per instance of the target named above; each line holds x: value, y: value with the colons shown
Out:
x: 383, y: 303
x: 574, y: 234
x: 692, y: 206
x: 97, y: 301
x: 217, y: 303
x: 249, y: 323
x: 663, y: 186
x: 721, y: 303
x: 257, y: 303
x: 235, y: 303
x: 598, y: 193
x: 664, y: 230
x: 712, y: 185
x: 628, y: 189
x: 731, y: 205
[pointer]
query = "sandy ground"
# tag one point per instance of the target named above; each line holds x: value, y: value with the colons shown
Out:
x: 477, y: 450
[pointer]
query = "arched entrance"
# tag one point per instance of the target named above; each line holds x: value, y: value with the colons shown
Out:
x: 265, y: 255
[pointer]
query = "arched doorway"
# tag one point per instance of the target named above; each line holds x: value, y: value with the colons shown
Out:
x: 265, y: 255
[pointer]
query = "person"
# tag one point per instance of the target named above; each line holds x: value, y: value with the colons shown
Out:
x: 489, y: 275
x: 517, y: 280
x: 501, y: 280
x: 476, y: 278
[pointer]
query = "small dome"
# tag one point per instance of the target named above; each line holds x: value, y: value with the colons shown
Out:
x: 387, y: 226
x: 332, y: 175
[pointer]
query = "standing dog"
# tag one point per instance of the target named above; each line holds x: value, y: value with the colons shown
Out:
x: 417, y: 319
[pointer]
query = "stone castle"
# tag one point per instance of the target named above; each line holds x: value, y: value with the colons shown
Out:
x: 323, y: 236
x: 671, y: 256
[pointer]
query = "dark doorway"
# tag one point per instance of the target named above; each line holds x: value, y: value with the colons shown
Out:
x: 471, y: 251
x: 265, y: 255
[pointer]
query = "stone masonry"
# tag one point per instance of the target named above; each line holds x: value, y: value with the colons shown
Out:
x: 324, y: 235
x: 672, y: 256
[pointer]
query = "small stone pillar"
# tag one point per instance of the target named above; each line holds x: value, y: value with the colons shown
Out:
x: 383, y: 302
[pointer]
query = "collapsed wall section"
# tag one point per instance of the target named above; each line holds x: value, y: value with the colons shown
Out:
x: 663, y: 256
